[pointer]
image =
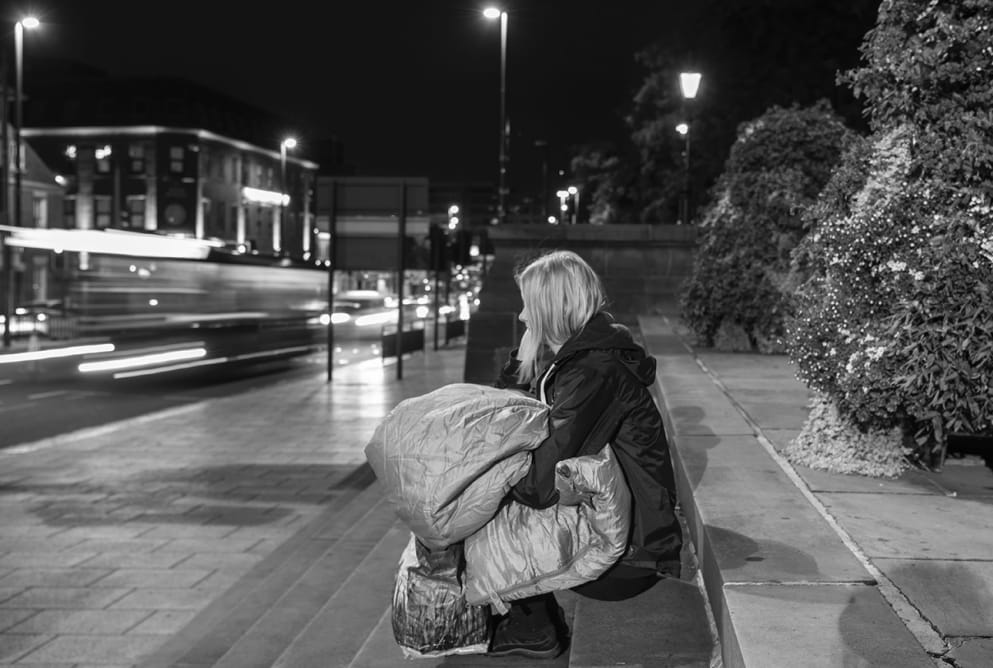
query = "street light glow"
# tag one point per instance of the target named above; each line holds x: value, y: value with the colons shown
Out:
x: 30, y: 22
x: 492, y: 13
x: 290, y: 142
x: 682, y: 128
x: 689, y: 82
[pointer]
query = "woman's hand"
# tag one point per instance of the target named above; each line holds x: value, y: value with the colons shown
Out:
x: 565, y: 485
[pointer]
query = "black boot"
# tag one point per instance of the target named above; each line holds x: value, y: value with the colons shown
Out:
x: 535, y: 627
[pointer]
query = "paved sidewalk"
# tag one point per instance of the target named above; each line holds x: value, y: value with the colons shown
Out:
x: 807, y: 568
x: 113, y: 539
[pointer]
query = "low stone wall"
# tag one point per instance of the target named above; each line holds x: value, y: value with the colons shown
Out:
x: 643, y: 268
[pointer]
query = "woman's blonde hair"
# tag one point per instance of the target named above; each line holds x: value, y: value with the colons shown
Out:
x: 561, y: 292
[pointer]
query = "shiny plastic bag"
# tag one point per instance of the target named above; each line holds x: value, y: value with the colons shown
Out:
x: 430, y: 614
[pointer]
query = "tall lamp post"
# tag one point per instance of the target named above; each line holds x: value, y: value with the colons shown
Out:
x: 689, y: 84
x: 287, y: 143
x: 28, y: 22
x: 684, y: 205
x: 493, y: 13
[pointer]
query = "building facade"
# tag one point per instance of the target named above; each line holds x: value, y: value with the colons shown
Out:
x: 181, y: 181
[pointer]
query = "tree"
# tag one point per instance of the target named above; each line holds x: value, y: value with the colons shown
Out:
x: 776, y: 168
x: 894, y: 318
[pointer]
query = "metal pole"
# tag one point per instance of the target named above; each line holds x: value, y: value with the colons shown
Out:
x: 502, y: 191
x: 401, y: 270
x: 437, y: 303
x: 19, y: 57
x: 8, y: 256
x: 689, y: 131
x: 282, y: 192
x: 332, y: 262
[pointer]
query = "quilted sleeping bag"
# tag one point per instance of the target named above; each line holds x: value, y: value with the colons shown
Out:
x: 447, y: 460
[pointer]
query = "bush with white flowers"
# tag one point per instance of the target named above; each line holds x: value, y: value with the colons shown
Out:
x: 894, y: 317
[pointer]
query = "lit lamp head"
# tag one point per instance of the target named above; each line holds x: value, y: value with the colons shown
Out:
x: 289, y: 143
x: 689, y: 83
x: 683, y: 128
x: 29, y: 22
x: 492, y: 13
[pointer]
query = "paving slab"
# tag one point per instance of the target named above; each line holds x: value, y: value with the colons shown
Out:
x: 910, y: 482
x: 273, y: 632
x: 955, y: 596
x: 110, y: 622
x: 339, y: 631
x: 381, y: 650
x: 93, y: 649
x: 973, y: 653
x: 656, y: 629
x: 823, y: 626
x: 757, y: 525
x: 915, y: 527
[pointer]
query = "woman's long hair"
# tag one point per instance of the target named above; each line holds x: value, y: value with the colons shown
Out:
x: 560, y: 293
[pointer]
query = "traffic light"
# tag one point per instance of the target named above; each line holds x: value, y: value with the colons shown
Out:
x: 439, y: 249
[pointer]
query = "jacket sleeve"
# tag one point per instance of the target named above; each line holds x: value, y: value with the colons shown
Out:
x: 581, y: 396
x: 507, y: 380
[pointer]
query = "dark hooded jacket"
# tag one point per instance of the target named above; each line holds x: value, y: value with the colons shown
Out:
x: 598, y: 386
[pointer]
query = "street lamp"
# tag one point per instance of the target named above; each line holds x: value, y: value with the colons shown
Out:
x: 574, y: 191
x: 29, y: 22
x: 493, y: 13
x: 689, y: 84
x: 277, y: 231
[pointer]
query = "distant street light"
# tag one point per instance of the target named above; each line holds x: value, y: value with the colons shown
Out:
x: 493, y: 13
x: 277, y: 230
x: 689, y: 84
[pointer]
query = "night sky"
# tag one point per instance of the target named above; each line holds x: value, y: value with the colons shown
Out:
x: 409, y: 87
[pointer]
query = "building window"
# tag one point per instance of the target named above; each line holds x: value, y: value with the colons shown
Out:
x: 136, y: 154
x: 176, y: 159
x: 103, y: 166
x: 69, y: 211
x: 136, y: 211
x: 39, y: 210
x: 101, y: 204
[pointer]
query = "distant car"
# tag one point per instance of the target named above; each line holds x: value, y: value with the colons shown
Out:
x: 44, y: 318
x: 361, y: 314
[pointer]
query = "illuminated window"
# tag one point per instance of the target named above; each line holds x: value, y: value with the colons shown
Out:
x: 136, y: 153
x: 101, y: 205
x: 176, y: 159
x: 69, y: 211
x: 136, y: 211
x: 103, y: 165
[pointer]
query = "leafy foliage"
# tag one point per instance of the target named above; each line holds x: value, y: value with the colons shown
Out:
x: 776, y: 169
x: 894, y: 316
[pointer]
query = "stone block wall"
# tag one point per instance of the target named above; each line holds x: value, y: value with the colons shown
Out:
x: 642, y: 266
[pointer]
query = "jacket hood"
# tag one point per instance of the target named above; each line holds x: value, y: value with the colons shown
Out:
x: 602, y: 332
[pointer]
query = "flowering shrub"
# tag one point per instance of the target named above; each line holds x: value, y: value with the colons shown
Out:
x: 776, y: 169
x: 894, y: 316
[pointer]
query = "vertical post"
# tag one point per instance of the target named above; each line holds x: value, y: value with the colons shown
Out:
x: 18, y: 63
x: 332, y: 263
x: 401, y: 270
x: 689, y: 192
x: 8, y: 256
x: 282, y: 193
x: 502, y: 192
x: 437, y: 302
